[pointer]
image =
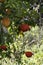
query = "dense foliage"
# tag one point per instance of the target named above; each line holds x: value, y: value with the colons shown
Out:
x: 32, y: 41
x: 21, y: 38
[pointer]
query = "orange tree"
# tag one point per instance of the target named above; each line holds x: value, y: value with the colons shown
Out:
x: 14, y: 13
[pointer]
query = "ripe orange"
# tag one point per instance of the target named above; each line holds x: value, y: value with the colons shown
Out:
x: 6, y: 21
x: 2, y: 0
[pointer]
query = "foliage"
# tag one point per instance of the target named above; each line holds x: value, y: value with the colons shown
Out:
x: 31, y: 41
x: 17, y: 42
x: 18, y: 12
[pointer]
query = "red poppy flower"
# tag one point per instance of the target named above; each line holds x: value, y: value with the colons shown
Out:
x: 3, y: 47
x: 24, y: 27
x: 28, y: 54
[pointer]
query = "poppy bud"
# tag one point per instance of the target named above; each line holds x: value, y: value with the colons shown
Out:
x: 28, y: 54
x: 3, y: 47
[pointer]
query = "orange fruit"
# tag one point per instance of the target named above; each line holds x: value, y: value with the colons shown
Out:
x: 2, y: 0
x: 6, y: 21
